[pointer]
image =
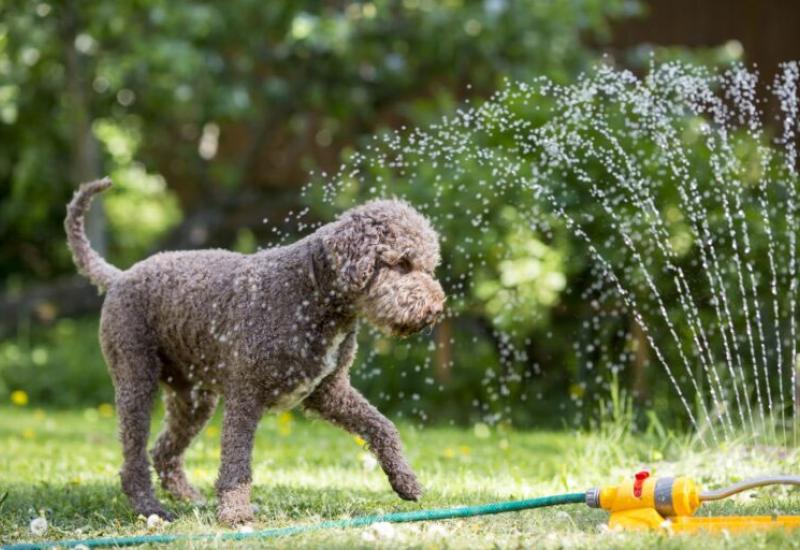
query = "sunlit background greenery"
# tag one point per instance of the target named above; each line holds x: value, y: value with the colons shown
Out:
x: 210, y: 115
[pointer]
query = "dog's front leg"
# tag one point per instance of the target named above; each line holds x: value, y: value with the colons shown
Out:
x: 242, y: 413
x: 340, y: 403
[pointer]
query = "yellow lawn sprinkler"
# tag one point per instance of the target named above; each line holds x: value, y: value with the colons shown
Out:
x: 668, y: 504
x: 643, y: 503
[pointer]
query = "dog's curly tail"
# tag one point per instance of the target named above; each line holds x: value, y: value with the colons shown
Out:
x: 89, y: 262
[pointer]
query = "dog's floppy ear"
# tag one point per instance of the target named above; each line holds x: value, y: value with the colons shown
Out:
x: 353, y: 247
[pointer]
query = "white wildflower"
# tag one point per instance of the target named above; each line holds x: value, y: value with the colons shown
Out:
x: 368, y: 462
x: 154, y: 521
x: 38, y: 526
x: 246, y: 529
x: 383, y: 530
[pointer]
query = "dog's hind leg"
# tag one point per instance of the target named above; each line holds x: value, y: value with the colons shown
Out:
x: 134, y: 366
x: 187, y: 413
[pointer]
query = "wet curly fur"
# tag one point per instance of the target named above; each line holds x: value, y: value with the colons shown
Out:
x: 265, y: 331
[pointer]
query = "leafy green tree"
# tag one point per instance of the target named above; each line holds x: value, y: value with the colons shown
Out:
x: 210, y: 115
x: 231, y: 103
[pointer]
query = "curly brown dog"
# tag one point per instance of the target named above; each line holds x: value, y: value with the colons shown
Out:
x: 266, y: 331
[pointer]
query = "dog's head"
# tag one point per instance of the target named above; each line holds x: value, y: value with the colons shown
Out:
x: 384, y: 254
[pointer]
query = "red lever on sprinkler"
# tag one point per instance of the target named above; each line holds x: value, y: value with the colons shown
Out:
x: 637, y: 485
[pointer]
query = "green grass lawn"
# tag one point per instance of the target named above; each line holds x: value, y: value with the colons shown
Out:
x: 63, y: 465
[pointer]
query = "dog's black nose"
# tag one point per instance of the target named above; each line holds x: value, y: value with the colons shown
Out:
x: 436, y: 310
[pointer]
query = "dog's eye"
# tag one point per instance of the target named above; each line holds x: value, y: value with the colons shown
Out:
x: 404, y: 265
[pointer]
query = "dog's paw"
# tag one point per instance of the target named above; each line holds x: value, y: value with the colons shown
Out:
x: 154, y: 509
x: 180, y: 489
x: 192, y: 496
x: 406, y: 486
x: 235, y: 515
x: 234, y: 506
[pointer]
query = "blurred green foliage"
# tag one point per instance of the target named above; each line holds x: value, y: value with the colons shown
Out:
x: 151, y: 85
x: 190, y: 106
x: 60, y: 367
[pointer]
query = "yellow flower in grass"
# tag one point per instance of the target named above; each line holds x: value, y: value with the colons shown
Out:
x: 576, y: 391
x: 360, y: 442
x: 106, y: 410
x: 28, y: 433
x: 19, y: 398
x: 656, y: 455
x: 212, y: 431
x: 449, y: 453
x: 285, y: 423
x: 202, y: 474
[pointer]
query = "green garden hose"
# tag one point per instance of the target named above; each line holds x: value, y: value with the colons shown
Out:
x: 398, y: 517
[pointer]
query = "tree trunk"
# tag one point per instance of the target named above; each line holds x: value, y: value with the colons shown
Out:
x: 444, y: 351
x: 85, y: 149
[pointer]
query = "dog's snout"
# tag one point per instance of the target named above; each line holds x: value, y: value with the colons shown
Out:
x: 434, y: 312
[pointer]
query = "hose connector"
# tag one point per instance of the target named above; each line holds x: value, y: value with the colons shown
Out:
x: 593, y: 497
